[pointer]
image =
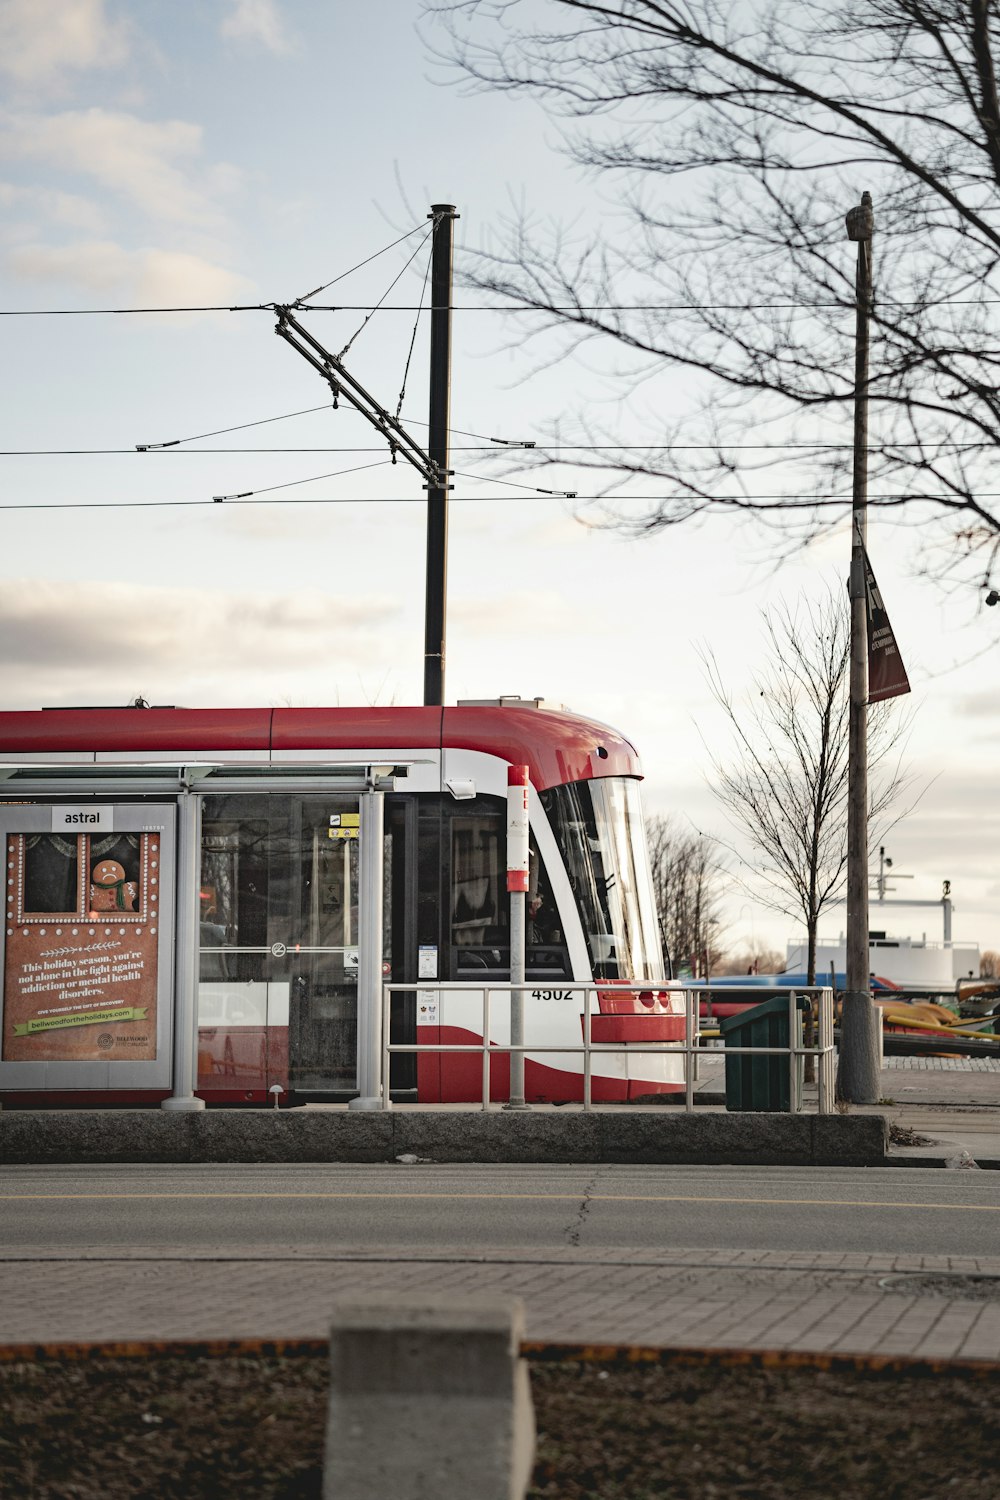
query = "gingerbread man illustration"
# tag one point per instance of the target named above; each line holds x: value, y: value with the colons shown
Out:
x: 109, y: 890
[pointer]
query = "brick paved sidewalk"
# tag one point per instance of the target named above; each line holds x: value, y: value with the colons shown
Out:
x: 758, y: 1300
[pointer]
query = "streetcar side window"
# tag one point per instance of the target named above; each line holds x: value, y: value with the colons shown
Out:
x: 478, y: 910
x: 478, y: 904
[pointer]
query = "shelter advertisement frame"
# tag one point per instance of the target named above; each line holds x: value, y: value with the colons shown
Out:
x: 87, y: 946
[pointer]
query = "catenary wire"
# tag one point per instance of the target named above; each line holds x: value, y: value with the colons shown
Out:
x: 413, y: 338
x: 219, y: 431
x: 316, y: 290
x: 598, y: 307
x: 170, y: 451
x: 741, y: 502
x: 368, y: 316
x: 514, y: 485
x: 289, y: 484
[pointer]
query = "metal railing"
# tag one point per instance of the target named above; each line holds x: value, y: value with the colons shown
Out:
x: 820, y: 998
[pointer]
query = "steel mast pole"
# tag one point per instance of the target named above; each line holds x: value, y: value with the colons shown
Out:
x: 435, y: 597
x: 858, y: 1074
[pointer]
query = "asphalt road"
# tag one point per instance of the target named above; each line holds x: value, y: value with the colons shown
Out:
x: 421, y: 1207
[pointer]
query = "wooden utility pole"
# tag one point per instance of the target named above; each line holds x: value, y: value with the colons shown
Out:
x: 444, y: 216
x: 858, y: 1073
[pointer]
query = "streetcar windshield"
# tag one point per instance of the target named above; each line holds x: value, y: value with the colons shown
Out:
x: 602, y: 837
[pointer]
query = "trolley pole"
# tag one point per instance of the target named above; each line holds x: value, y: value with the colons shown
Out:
x: 858, y: 1073
x: 517, y: 885
x: 444, y: 216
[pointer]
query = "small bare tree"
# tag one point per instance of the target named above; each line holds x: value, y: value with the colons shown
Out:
x: 754, y: 959
x: 686, y: 874
x: 785, y: 787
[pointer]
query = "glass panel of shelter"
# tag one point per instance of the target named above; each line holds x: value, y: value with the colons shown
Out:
x: 323, y: 958
x: 279, y: 897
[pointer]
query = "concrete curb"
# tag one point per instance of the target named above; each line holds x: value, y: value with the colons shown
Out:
x: 30, y: 1137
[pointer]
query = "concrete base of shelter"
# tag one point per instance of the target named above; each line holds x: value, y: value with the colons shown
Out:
x: 641, y: 1137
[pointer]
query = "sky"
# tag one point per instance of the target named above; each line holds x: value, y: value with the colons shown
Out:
x: 245, y: 151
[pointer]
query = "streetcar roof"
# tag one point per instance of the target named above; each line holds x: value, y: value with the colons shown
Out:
x: 557, y: 746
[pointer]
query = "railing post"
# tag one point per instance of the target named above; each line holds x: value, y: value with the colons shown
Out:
x: 386, y: 1058
x: 486, y: 1046
x: 696, y: 1029
x: 586, y: 1049
x: 688, y: 1057
x: 518, y: 863
x: 826, y: 1056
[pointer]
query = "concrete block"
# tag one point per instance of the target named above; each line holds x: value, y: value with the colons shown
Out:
x: 640, y: 1137
x: 238, y: 1135
x: 95, y: 1135
x: 223, y: 1135
x: 662, y: 1137
x: 474, y: 1136
x: 850, y: 1140
x: 428, y: 1400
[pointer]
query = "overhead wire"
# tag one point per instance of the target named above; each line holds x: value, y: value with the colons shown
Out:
x: 388, y: 289
x: 291, y: 483
x: 300, y: 301
x: 170, y: 450
x: 303, y: 302
x: 491, y: 307
x: 513, y: 484
x: 219, y: 431
x: 742, y: 502
x: 93, y: 312
x: 413, y: 338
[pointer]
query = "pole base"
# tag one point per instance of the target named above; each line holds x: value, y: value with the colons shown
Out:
x: 369, y: 1102
x: 516, y: 1104
x: 182, y: 1104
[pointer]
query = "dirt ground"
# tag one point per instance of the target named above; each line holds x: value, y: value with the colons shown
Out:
x: 224, y: 1427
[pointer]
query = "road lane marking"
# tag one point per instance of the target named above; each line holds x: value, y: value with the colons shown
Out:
x: 982, y: 1208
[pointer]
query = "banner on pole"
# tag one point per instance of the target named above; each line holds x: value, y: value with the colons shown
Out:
x: 886, y: 674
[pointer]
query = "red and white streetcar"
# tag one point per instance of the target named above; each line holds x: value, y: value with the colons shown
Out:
x: 176, y: 873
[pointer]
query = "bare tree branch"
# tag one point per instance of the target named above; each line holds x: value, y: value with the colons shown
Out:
x: 738, y: 135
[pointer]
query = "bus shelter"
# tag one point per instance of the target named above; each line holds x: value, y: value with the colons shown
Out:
x: 154, y: 911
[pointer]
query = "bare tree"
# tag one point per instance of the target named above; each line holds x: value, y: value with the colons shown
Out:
x: 989, y: 964
x: 784, y: 786
x: 736, y: 136
x: 686, y: 874
x: 755, y: 959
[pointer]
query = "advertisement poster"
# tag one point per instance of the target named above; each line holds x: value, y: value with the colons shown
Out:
x: 82, y: 937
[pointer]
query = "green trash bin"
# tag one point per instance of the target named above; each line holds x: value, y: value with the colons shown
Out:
x: 762, y: 1083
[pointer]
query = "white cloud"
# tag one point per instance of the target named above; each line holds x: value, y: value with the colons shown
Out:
x: 67, y: 209
x: 257, y: 21
x: 42, y: 39
x: 983, y: 705
x: 538, y: 614
x: 77, y: 642
x: 147, y: 278
x: 150, y: 163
